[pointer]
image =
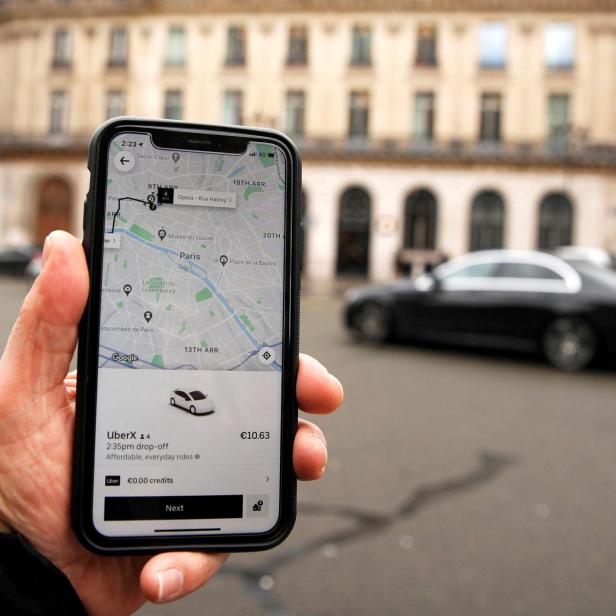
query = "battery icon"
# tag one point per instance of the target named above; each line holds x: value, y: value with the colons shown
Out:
x: 270, y: 154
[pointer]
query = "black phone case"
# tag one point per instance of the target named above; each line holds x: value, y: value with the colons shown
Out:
x: 83, y: 456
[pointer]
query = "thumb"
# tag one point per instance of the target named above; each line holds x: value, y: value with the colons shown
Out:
x: 42, y: 342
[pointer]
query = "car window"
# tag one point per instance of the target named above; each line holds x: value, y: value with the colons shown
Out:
x: 526, y: 270
x: 197, y: 395
x: 182, y: 394
x: 477, y: 270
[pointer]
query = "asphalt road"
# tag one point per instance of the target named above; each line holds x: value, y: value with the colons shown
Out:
x: 458, y: 484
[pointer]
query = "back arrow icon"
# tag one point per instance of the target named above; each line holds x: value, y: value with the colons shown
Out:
x: 124, y: 160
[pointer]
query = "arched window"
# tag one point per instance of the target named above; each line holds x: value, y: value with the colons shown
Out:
x: 555, y: 221
x: 353, y: 233
x: 487, y: 221
x: 54, y: 208
x: 420, y: 220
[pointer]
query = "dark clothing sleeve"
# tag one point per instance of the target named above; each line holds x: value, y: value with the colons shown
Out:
x: 31, y: 585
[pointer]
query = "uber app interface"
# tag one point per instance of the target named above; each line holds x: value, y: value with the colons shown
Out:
x: 189, y: 366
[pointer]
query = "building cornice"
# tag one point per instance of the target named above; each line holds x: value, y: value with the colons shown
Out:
x: 33, y: 9
x: 593, y: 158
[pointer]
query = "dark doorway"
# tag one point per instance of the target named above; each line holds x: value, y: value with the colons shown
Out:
x: 353, y: 233
x: 420, y: 221
x: 555, y: 222
x: 54, y: 208
x: 487, y: 221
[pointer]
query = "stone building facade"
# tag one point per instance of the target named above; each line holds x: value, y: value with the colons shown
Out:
x: 425, y: 131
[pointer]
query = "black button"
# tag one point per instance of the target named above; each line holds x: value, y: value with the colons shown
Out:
x: 165, y: 195
x: 173, y: 507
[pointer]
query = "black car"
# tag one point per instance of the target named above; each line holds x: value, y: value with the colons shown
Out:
x: 16, y: 261
x: 518, y: 300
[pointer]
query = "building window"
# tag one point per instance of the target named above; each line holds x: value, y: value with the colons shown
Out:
x: 358, y: 115
x: 295, y: 113
x: 58, y: 119
x: 420, y: 221
x: 559, y: 125
x: 426, y: 46
x: 559, y: 45
x: 490, y: 129
x: 116, y: 105
x: 487, y: 221
x: 61, y: 48
x: 298, y: 46
x: 424, y: 116
x: 353, y: 233
x: 236, y: 46
x: 493, y: 44
x: 175, y: 52
x: 173, y: 105
x: 118, y: 47
x: 555, y: 222
x: 360, y: 50
x: 232, y: 107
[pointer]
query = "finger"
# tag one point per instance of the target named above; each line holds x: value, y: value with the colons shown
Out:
x: 42, y: 341
x: 317, y: 390
x: 173, y: 575
x: 309, y: 451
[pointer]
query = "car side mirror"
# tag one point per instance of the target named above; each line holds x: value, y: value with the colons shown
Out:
x: 428, y: 282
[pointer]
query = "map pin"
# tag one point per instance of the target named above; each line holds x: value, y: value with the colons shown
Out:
x: 127, y: 289
x: 147, y: 315
x: 224, y: 259
x: 175, y: 157
x: 162, y: 234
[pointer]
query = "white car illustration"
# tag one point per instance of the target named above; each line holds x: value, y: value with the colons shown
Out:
x: 195, y: 402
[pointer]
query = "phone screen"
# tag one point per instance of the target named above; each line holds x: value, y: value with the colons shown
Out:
x: 188, y: 416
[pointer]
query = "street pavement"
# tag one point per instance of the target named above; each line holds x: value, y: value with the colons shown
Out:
x: 458, y: 483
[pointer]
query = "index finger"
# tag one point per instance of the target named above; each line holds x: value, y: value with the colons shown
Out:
x: 317, y: 390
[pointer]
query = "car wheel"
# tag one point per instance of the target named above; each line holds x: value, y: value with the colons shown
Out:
x: 372, y: 322
x: 569, y: 343
x: 172, y: 401
x: 192, y: 409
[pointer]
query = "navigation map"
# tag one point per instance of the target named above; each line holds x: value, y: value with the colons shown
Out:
x: 193, y: 258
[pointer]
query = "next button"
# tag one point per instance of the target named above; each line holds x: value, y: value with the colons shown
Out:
x: 174, y: 507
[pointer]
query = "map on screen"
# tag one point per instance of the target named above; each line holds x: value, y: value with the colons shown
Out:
x: 193, y: 258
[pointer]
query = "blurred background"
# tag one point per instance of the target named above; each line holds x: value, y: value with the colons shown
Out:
x: 467, y: 475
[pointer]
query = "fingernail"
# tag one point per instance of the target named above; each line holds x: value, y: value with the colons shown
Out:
x: 170, y: 583
x: 322, y: 445
x: 335, y: 380
x: 46, y: 249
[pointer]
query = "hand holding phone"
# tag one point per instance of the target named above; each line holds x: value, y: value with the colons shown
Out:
x: 37, y: 417
x: 186, y: 406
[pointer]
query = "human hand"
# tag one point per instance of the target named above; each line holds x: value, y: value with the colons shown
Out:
x: 36, y: 441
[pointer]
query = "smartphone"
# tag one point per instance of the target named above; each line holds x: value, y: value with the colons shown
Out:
x: 188, y: 347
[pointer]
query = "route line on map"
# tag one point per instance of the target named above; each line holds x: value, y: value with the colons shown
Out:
x: 117, y: 212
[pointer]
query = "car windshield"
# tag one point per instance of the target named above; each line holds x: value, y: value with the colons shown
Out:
x: 197, y: 395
